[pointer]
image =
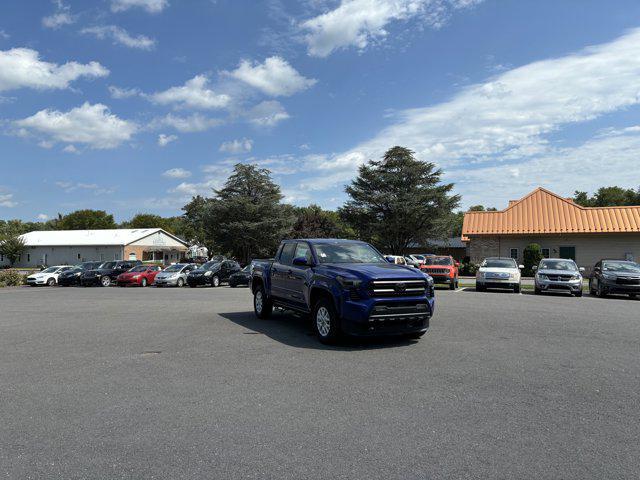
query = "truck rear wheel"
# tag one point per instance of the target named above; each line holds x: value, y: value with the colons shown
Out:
x: 262, y: 305
x: 325, y: 320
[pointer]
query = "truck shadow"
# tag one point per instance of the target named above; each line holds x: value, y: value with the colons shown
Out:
x: 295, y: 330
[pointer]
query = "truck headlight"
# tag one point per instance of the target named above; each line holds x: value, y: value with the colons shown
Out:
x: 348, y: 283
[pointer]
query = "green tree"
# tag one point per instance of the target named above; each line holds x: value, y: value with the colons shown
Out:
x: 314, y: 222
x: 608, y: 197
x: 532, y: 254
x: 196, y: 225
x: 481, y: 208
x: 12, y: 247
x: 87, y: 220
x: 149, y: 220
x: 247, y: 215
x: 398, y: 201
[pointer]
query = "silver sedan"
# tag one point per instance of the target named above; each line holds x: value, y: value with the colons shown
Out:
x: 174, y: 275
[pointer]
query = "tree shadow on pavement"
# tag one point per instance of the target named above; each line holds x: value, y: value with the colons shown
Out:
x: 295, y: 330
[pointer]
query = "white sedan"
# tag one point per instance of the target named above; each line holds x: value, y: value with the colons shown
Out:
x: 48, y: 276
x: 498, y: 272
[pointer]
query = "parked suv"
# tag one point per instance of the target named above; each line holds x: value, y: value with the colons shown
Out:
x: 443, y: 269
x: 72, y: 276
x: 497, y: 272
x: 559, y: 275
x: 107, y: 273
x: 347, y: 286
x: 615, y: 276
x: 213, y: 273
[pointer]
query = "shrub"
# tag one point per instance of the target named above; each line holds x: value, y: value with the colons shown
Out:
x: 11, y: 278
x: 532, y: 255
x: 468, y: 269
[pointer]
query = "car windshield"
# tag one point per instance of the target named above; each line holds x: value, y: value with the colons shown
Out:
x: 558, y: 265
x: 438, y: 261
x: 348, y: 253
x: 499, y: 263
x: 174, y: 268
x: 621, y: 266
x: 108, y: 265
x: 50, y: 270
x: 418, y: 257
x: 210, y: 265
x: 140, y: 268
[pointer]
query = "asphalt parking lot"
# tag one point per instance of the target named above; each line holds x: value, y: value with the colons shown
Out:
x: 171, y: 384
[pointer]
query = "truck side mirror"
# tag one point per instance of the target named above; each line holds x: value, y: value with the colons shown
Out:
x: 300, y: 262
x: 520, y: 267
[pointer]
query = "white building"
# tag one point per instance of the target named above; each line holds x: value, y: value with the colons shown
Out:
x: 69, y: 247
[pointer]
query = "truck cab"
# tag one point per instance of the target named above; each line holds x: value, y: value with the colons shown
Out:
x: 347, y: 287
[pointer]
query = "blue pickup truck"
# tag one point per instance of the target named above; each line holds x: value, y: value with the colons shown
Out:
x: 347, y: 286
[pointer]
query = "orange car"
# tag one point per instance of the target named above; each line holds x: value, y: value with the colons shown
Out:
x: 443, y: 269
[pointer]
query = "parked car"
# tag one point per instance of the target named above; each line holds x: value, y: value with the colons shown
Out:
x: 558, y: 275
x: 443, y: 269
x: 107, y: 273
x: 411, y: 262
x: 213, y: 273
x: 397, y: 259
x: 142, y: 275
x: 615, y: 276
x: 241, y: 278
x: 48, y: 276
x: 417, y: 258
x: 72, y: 276
x: 174, y: 275
x: 496, y: 272
x: 347, y: 286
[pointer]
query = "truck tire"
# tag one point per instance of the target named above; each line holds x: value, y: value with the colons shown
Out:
x: 325, y: 321
x: 262, y: 305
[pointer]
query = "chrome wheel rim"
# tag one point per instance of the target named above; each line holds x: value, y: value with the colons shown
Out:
x: 258, y: 301
x: 323, y: 321
x: 216, y: 281
x: 106, y: 281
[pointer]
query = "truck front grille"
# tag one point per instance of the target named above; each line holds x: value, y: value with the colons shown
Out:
x: 397, y: 288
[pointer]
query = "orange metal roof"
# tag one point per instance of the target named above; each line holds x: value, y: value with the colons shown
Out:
x: 543, y: 212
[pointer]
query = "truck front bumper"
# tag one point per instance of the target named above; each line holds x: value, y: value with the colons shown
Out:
x: 392, y: 316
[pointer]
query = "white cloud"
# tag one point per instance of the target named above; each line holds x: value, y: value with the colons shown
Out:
x: 510, y: 116
x: 96, y: 189
x: 164, y: 140
x: 71, y: 149
x: 274, y: 77
x: 151, y: 6
x: 194, y: 94
x: 91, y: 125
x: 177, y: 173
x: 120, y: 36
x: 22, y: 68
x: 42, y: 217
x: 188, y: 124
x: 57, y: 20
x: 356, y: 23
x: 237, y: 146
x: 120, y: 93
x: 267, y: 114
x: 4, y: 34
x: 202, y: 188
x: 6, y: 200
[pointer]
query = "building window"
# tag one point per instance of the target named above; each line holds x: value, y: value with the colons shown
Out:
x: 514, y: 253
x: 28, y: 257
x: 102, y: 257
x: 546, y: 253
x: 79, y: 257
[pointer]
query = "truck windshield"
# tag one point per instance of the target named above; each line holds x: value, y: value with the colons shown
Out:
x: 347, y: 253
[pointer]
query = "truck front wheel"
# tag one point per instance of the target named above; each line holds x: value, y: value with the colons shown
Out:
x: 262, y: 305
x: 325, y: 321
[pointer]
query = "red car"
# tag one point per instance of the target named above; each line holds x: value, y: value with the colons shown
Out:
x: 142, y: 275
x: 443, y: 269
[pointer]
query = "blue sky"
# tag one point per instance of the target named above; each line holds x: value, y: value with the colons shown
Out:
x: 136, y: 105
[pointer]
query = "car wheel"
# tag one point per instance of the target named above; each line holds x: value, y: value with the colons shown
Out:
x: 232, y: 285
x: 578, y: 294
x: 180, y: 283
x: 262, y: 305
x: 51, y: 282
x: 105, y: 281
x: 143, y: 283
x: 516, y: 288
x: 326, y: 322
x: 480, y: 288
x: 452, y: 285
x: 215, y: 281
x: 633, y: 295
x: 600, y: 292
x: 592, y: 290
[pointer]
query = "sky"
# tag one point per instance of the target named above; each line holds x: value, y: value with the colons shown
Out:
x: 137, y: 105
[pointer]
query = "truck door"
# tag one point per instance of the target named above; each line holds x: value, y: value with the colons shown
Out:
x: 298, y: 276
x: 280, y: 272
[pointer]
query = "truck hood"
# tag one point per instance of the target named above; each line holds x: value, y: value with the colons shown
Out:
x: 497, y: 270
x: 374, y: 271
